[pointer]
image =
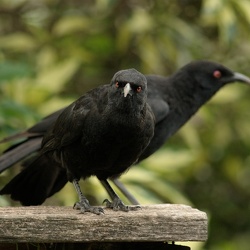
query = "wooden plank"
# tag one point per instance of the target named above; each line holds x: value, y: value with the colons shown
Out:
x: 94, y: 246
x: 152, y: 223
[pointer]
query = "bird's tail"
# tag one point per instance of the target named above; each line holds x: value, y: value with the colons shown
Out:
x: 41, y: 179
x: 20, y: 136
x: 17, y: 152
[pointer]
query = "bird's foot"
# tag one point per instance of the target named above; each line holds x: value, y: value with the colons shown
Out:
x: 117, y: 205
x: 84, y: 206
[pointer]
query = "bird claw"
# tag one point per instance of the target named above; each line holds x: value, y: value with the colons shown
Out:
x: 118, y: 205
x: 85, y: 207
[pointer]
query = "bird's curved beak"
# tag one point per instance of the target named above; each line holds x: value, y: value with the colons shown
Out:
x: 127, y: 90
x: 241, y: 78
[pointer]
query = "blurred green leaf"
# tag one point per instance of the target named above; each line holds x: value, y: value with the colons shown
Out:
x: 18, y: 42
x: 244, y: 9
x: 227, y: 24
x: 12, y: 70
x: 55, y: 77
x: 71, y: 24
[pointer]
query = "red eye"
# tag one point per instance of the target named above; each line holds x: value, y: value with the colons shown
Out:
x: 138, y: 89
x: 117, y: 84
x: 217, y: 74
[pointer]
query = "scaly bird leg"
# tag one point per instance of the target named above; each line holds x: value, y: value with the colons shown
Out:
x: 116, y: 203
x: 83, y: 204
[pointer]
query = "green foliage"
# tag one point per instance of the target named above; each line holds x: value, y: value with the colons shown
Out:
x: 53, y: 51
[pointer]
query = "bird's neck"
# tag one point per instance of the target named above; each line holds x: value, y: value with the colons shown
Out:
x: 192, y: 96
x: 126, y: 106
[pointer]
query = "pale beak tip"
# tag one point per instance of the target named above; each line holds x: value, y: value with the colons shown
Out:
x: 127, y: 89
x: 242, y: 78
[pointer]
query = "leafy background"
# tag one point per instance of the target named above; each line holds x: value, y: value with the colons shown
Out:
x: 53, y: 51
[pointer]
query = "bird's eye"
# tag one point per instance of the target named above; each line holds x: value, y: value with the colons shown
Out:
x: 138, y: 90
x: 217, y: 74
x: 117, y: 84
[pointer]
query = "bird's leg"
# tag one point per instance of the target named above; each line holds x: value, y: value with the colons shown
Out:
x: 124, y: 190
x: 116, y: 203
x: 83, y: 204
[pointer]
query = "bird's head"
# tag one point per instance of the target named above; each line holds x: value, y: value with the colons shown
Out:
x: 200, y: 80
x: 129, y: 86
x: 212, y: 76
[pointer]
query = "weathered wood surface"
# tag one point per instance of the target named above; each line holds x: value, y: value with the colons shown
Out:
x: 152, y: 223
x: 94, y: 246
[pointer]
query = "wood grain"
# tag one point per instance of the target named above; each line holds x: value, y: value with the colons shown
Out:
x: 152, y: 223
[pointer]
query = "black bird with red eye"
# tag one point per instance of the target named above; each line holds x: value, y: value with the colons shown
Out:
x: 101, y: 134
x: 176, y: 98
